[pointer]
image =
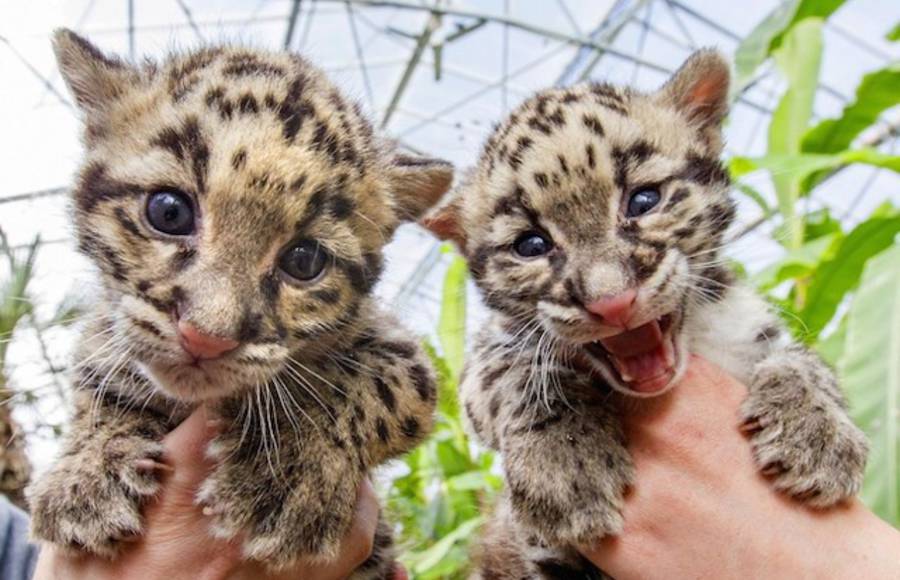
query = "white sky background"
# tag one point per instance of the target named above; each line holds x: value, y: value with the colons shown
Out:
x: 39, y: 135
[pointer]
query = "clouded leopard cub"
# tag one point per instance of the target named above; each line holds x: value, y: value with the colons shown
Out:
x: 593, y: 224
x: 236, y: 206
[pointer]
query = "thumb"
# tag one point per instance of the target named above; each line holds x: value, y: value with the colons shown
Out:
x: 185, y: 449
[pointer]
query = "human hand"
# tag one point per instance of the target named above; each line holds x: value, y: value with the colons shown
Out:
x: 701, y: 509
x: 176, y: 542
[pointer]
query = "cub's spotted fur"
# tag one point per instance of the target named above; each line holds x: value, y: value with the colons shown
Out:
x: 236, y: 206
x: 592, y: 224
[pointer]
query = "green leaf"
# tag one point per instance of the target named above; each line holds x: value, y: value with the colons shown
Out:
x: 423, y: 561
x: 831, y: 348
x: 756, y: 46
x: 820, y: 223
x: 877, y: 92
x: 452, y: 322
x: 15, y: 303
x: 754, y: 195
x: 769, y: 34
x: 474, y: 480
x: 799, y: 60
x: 870, y: 369
x: 797, y: 263
x: 805, y: 170
x: 840, y: 274
x: 894, y: 34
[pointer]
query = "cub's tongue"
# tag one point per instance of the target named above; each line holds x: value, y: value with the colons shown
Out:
x: 642, y: 356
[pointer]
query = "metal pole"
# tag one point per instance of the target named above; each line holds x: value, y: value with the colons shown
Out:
x: 434, y: 21
x: 292, y: 23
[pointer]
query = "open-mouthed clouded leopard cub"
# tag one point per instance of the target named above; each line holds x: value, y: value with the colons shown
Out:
x: 236, y: 206
x: 592, y: 224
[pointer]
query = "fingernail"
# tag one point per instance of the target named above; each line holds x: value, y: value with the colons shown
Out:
x: 152, y: 465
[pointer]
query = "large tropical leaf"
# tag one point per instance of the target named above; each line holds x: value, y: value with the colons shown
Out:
x: 841, y: 273
x: 804, y: 170
x: 870, y: 369
x: 799, y: 60
x: 877, y: 92
x: 452, y: 322
x: 799, y: 262
x: 768, y: 35
x: 894, y: 33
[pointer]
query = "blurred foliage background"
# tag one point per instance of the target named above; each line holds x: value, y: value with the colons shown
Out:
x: 836, y: 283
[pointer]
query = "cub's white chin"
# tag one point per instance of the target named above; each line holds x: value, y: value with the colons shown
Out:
x: 190, y: 383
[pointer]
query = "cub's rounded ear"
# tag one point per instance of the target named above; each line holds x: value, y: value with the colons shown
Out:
x: 417, y: 184
x: 699, y: 89
x: 445, y: 222
x: 94, y: 78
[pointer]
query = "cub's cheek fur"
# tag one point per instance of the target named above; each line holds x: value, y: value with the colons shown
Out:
x: 564, y: 165
x: 315, y: 385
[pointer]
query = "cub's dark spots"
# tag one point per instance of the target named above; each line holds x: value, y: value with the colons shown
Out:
x: 410, y: 427
x: 593, y: 123
x: 591, y: 155
x: 541, y: 180
x: 706, y: 171
x: 269, y: 286
x: 678, y: 196
x: 385, y: 394
x: 247, y: 104
x: 341, y: 207
x: 642, y: 267
x: 538, y: 125
x: 187, y: 144
x: 721, y: 215
x: 298, y: 183
x: 328, y: 295
x: 494, y: 406
x: 239, y: 159
x: 147, y: 326
x: 382, y: 429
x: 128, y: 224
x: 247, y: 65
x: 522, y: 145
x: 215, y: 99
x: 422, y: 382
x: 250, y: 327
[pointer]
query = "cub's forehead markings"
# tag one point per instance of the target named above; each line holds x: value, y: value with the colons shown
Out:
x: 187, y: 144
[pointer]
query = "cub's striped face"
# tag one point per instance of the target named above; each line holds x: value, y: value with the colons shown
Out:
x: 236, y: 206
x: 598, y: 212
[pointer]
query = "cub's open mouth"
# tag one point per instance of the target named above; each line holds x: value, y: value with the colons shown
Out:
x: 642, y: 358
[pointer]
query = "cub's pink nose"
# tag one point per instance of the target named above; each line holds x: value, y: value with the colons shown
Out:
x: 615, y: 310
x: 203, y: 346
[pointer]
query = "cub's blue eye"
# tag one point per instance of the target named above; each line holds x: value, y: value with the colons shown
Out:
x: 532, y: 244
x: 171, y: 212
x: 303, y: 261
x: 641, y: 202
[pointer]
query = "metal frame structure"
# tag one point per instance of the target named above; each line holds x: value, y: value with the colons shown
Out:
x: 444, y: 23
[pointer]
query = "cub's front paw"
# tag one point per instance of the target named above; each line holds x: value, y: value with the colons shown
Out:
x: 585, y: 513
x: 814, y: 454
x: 279, y: 519
x: 92, y: 501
